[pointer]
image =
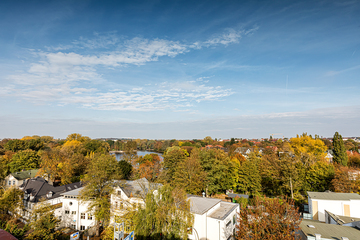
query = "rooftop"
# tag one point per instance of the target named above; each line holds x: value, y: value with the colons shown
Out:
x: 224, y: 210
x: 201, y: 205
x: 328, y: 231
x: 342, y: 219
x: 333, y: 196
x: 25, y: 174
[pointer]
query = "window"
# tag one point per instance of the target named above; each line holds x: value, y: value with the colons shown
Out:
x: 229, y: 222
x: 89, y: 216
x: 82, y: 215
x: 70, y: 203
x: 14, y: 182
x: 115, y: 204
x: 73, y: 212
x: 234, y: 219
x: 9, y: 182
x: 119, y: 193
x: 82, y: 228
x: 67, y: 211
x: 73, y: 226
x: 121, y: 205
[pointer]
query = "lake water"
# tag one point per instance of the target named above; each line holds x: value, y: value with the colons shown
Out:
x: 139, y: 153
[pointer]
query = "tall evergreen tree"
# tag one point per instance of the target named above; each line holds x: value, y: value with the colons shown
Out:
x: 339, y: 150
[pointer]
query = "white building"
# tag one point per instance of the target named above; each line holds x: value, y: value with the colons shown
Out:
x: 214, y: 219
x: 73, y: 213
x: 129, y: 195
x: 344, y: 204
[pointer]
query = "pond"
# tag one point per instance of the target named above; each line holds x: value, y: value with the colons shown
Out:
x: 139, y: 153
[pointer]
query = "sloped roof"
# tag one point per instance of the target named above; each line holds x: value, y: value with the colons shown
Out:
x: 39, y: 187
x: 342, y: 219
x: 4, y: 235
x: 25, y: 174
x: 201, y: 205
x: 333, y: 196
x: 328, y: 231
x: 137, y: 188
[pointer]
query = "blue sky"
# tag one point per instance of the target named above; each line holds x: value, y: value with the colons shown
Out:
x: 179, y: 69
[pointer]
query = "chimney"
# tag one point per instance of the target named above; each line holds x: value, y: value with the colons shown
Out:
x: 317, y: 236
x: 344, y: 238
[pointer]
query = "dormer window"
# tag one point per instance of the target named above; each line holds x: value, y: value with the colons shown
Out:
x: 32, y: 197
x: 49, y: 194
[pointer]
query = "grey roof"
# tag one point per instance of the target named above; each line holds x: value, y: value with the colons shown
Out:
x: 234, y: 195
x: 201, y: 205
x: 137, y: 188
x: 39, y: 187
x: 329, y: 231
x: 333, y: 196
x: 224, y: 210
x: 25, y: 174
x: 75, y: 192
x: 342, y: 219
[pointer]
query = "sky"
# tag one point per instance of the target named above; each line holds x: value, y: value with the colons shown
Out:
x: 179, y: 69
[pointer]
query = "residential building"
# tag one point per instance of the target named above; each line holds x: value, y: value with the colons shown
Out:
x: 18, y: 178
x: 345, y: 204
x: 39, y: 190
x: 214, y: 219
x: 130, y: 195
x: 74, y: 213
x: 315, y: 230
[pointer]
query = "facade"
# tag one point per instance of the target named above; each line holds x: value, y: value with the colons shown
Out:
x: 344, y: 204
x: 17, y: 178
x: 214, y: 219
x: 74, y: 214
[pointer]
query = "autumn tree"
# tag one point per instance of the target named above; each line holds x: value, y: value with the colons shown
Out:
x: 318, y: 176
x: 166, y: 215
x: 307, y: 148
x: 339, y: 150
x: 148, y: 167
x: 346, y: 180
x: 268, y: 219
x: 99, y: 185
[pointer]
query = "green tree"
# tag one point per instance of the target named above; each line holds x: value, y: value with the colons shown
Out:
x: 339, y: 150
x: 219, y: 170
x: 166, y: 215
x: 26, y: 159
x: 172, y: 157
x: 43, y: 223
x: 99, y: 184
x: 15, y: 145
x: 189, y: 175
x: 249, y: 179
x: 318, y: 177
x: 125, y: 169
x: 11, y: 200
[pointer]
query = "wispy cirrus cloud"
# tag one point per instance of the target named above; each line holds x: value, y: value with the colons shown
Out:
x: 71, y: 77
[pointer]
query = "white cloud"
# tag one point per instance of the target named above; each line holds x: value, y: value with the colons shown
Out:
x: 72, y: 77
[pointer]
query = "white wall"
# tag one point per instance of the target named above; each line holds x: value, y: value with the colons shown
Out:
x: 214, y: 229
x: 335, y: 207
x: 68, y: 219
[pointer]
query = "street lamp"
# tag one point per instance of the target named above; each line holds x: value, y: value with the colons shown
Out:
x: 195, y: 232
